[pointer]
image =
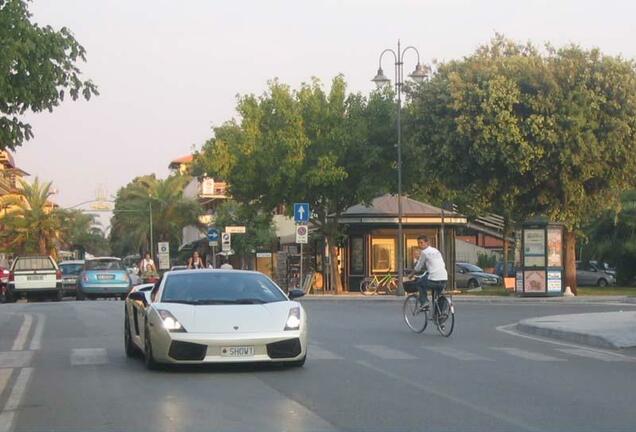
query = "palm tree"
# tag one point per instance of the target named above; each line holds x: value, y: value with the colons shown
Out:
x: 34, y: 224
x: 171, y: 211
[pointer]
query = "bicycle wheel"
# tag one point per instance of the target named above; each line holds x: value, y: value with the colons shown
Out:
x: 445, y: 316
x: 414, y: 317
x: 367, y: 287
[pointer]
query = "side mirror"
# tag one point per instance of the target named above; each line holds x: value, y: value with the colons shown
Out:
x: 138, y: 296
x: 295, y: 293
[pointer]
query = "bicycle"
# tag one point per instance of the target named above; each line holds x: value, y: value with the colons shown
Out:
x: 416, y: 315
x: 370, y: 286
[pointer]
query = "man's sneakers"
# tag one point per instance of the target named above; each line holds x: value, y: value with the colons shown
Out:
x: 426, y: 305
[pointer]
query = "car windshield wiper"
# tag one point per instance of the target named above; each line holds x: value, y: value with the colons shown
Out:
x: 249, y: 301
x: 190, y: 302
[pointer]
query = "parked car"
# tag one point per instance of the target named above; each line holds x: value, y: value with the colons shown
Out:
x: 4, y: 278
x: 589, y: 274
x: 31, y: 275
x: 70, y: 273
x: 511, y: 270
x: 103, y: 277
x: 470, y: 276
x: 603, y: 266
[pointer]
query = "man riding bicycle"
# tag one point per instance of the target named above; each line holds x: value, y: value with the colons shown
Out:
x: 436, y: 277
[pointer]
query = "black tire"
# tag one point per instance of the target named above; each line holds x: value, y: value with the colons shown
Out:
x: 472, y: 284
x: 602, y: 283
x: 3, y: 294
x: 149, y: 359
x: 415, y: 318
x: 445, y: 316
x: 79, y: 295
x: 131, y: 349
x: 367, y: 288
x: 9, y: 297
x: 59, y: 295
x: 297, y: 363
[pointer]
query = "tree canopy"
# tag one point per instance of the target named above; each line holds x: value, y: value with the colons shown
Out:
x: 38, y: 66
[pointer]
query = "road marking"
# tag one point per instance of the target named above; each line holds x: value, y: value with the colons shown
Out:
x: 457, y: 354
x: 610, y: 357
x: 88, y: 356
x: 15, y: 359
x: 528, y: 355
x: 518, y: 424
x: 508, y: 329
x: 317, y: 353
x: 386, y: 352
x: 36, y: 341
x: 14, y: 400
x: 5, y: 374
x: 23, y: 333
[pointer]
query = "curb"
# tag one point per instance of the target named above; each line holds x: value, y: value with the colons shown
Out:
x: 569, y: 336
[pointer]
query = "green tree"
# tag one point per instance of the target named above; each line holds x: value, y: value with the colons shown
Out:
x: 81, y: 231
x: 171, y: 211
x: 519, y: 132
x: 259, y: 232
x: 37, y: 66
x: 330, y: 149
x: 34, y: 227
x: 612, y: 237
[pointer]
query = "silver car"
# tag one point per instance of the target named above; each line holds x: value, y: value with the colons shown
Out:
x: 470, y: 276
x: 589, y: 274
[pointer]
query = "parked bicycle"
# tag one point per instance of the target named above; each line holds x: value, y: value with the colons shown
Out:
x: 387, y: 283
x: 441, y: 307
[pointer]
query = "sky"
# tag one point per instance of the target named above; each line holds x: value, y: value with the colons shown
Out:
x: 169, y: 71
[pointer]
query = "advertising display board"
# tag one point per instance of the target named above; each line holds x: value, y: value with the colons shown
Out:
x: 542, y: 271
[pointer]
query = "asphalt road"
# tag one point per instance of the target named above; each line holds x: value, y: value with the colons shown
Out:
x: 63, y: 368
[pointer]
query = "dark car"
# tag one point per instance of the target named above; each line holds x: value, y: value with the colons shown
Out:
x: 511, y: 270
x: 70, y: 274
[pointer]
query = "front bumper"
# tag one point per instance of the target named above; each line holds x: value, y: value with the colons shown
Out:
x: 194, y: 348
x: 489, y: 282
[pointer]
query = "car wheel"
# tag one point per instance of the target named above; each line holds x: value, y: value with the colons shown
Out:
x: 602, y: 283
x: 59, y: 295
x: 149, y: 359
x: 472, y: 284
x: 79, y: 295
x: 9, y: 297
x: 128, y: 343
x: 298, y: 363
x: 3, y: 294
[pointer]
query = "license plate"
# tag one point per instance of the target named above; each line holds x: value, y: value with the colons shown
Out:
x: 105, y: 276
x: 237, y: 351
x: 35, y: 277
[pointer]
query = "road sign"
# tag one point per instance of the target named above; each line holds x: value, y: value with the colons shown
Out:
x: 226, y: 242
x: 302, y: 234
x: 301, y: 212
x: 163, y: 249
x: 235, y: 229
x: 213, y: 234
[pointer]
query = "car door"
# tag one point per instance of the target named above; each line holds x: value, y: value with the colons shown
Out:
x: 461, y: 277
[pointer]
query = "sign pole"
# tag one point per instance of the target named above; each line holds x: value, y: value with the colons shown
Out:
x: 301, y: 266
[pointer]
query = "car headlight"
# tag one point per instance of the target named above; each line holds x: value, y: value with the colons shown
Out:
x: 170, y: 323
x: 293, y: 319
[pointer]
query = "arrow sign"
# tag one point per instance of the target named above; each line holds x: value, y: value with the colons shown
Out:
x: 213, y: 234
x: 301, y: 212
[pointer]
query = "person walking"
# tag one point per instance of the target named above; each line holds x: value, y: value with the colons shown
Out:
x: 147, y: 265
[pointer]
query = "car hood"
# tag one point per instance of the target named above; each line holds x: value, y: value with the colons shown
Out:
x: 269, y: 317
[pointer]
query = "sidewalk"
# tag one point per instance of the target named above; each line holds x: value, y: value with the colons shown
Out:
x: 462, y: 298
x: 614, y: 330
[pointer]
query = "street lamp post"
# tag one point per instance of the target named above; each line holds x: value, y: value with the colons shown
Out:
x: 419, y: 74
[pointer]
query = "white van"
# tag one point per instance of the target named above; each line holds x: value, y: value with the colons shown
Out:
x: 35, y: 274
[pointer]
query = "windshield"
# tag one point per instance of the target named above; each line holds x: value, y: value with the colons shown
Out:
x: 71, y: 269
x: 104, y: 265
x: 220, y: 288
x: 471, y: 268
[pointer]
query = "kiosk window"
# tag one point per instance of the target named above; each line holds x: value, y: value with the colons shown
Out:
x: 383, y: 255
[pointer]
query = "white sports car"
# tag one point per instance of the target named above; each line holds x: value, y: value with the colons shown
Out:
x: 215, y: 316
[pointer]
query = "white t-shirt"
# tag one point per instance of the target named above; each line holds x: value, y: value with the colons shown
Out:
x: 432, y: 259
x: 227, y: 266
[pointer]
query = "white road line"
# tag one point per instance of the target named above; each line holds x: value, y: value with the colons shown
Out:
x: 88, y: 356
x: 5, y: 374
x: 509, y: 329
x: 317, y: 353
x: 595, y: 355
x: 528, y: 355
x: 457, y: 354
x: 14, y: 400
x: 386, y: 352
x: 23, y: 333
x: 15, y: 359
x: 423, y: 387
x: 36, y: 341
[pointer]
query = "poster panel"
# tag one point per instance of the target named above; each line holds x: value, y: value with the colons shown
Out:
x: 534, y: 248
x: 519, y: 282
x: 534, y: 281
x: 554, y: 281
x: 555, y: 247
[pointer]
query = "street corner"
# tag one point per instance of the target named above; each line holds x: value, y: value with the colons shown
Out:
x: 614, y: 330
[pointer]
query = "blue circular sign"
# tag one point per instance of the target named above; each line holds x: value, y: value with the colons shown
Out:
x: 213, y: 234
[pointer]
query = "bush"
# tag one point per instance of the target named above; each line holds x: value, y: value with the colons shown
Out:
x: 485, y: 260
